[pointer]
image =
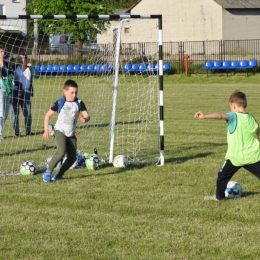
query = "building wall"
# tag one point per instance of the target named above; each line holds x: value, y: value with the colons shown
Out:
x: 241, y: 24
x: 185, y: 20
x: 13, y: 7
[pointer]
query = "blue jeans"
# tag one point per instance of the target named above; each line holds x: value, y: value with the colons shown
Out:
x: 5, y: 109
x: 25, y: 103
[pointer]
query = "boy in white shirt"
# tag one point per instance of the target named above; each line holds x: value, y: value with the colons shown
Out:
x: 70, y: 108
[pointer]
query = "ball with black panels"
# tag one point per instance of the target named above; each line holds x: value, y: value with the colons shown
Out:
x: 93, y: 162
x: 28, y: 168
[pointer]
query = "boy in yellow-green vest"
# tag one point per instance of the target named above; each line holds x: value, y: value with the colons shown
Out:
x: 243, y: 142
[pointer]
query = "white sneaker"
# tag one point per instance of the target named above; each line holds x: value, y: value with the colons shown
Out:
x: 1, y: 138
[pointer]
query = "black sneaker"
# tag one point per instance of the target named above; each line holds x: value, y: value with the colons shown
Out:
x: 18, y: 134
x: 30, y: 133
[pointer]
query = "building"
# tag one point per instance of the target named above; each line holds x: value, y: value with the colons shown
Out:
x: 189, y: 20
x: 13, y: 7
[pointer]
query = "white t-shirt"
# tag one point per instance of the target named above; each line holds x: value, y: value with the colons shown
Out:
x: 24, y: 78
x: 68, y: 117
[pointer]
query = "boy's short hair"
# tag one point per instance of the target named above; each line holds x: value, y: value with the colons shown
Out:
x: 239, y: 98
x: 70, y: 83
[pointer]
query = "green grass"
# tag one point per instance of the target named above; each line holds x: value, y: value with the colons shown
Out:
x: 136, y: 120
x: 144, y: 212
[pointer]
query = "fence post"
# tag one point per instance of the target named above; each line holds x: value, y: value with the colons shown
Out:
x: 186, y: 58
x: 180, y: 57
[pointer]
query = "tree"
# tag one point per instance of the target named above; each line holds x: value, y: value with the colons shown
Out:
x: 81, y: 29
x: 118, y: 3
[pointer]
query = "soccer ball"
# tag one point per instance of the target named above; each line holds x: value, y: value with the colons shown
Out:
x: 234, y: 190
x: 93, y: 162
x: 120, y: 161
x: 28, y: 168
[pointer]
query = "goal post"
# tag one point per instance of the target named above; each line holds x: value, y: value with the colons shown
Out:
x: 125, y: 104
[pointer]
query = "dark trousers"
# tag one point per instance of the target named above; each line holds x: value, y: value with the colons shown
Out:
x: 23, y: 101
x: 226, y: 173
x: 65, y: 145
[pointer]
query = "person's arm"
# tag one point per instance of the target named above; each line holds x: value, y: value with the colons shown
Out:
x: 216, y: 115
x: 46, y: 123
x: 84, y: 117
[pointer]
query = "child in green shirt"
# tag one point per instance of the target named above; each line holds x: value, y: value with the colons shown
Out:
x: 242, y: 139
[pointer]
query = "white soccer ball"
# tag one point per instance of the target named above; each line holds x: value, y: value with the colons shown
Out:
x: 120, y: 161
x: 28, y: 168
x: 234, y: 190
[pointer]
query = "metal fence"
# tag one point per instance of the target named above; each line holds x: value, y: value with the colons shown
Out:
x: 199, y: 52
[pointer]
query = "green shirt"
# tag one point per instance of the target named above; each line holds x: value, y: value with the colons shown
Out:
x: 243, y: 144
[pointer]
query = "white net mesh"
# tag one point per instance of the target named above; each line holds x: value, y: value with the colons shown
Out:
x: 137, y: 116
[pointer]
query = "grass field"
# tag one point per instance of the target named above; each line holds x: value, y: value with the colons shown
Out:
x: 146, y: 212
x: 136, y: 120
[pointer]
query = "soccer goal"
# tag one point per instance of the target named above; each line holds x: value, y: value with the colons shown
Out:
x: 120, y: 81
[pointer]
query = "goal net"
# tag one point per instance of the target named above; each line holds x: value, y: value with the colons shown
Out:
x: 120, y: 83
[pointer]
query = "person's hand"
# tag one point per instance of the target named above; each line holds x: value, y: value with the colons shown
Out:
x: 45, y: 135
x: 83, y: 119
x: 199, y: 115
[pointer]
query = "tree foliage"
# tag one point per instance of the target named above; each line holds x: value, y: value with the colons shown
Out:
x: 118, y: 3
x: 80, y: 28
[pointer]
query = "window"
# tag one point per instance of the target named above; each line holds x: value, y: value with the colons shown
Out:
x: 127, y: 29
x: 16, y: 1
x: 2, y: 10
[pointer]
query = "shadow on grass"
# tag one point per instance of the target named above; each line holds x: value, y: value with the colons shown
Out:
x: 108, y: 124
x: 179, y: 160
x: 23, y: 135
x: 17, y: 152
x: 95, y: 173
x: 91, y: 173
x: 199, y: 146
x: 250, y: 193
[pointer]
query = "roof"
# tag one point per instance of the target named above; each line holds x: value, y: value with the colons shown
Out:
x: 227, y: 4
x: 128, y: 10
x: 239, y: 4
